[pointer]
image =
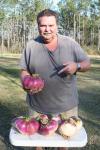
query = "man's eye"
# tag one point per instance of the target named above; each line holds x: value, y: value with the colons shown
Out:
x: 42, y: 26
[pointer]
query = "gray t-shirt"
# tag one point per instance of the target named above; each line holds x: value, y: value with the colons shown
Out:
x: 59, y: 94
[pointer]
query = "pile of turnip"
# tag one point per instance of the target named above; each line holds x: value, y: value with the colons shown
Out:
x: 47, y: 126
x: 30, y: 125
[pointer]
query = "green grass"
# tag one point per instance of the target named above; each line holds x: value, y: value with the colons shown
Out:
x: 12, y: 101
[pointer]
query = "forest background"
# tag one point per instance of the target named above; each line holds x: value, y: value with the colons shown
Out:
x: 79, y: 19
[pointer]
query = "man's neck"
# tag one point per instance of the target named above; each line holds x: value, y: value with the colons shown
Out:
x: 52, y: 45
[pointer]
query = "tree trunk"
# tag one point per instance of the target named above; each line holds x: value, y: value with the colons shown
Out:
x: 8, y: 43
x: 2, y: 44
x: 74, y: 26
x: 79, y: 35
x: 83, y: 37
x: 98, y: 38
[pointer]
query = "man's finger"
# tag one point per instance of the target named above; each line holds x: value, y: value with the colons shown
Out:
x: 62, y: 70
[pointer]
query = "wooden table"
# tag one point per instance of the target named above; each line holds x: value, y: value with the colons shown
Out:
x: 56, y: 140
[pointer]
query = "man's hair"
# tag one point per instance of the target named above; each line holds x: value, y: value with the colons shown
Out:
x: 47, y: 12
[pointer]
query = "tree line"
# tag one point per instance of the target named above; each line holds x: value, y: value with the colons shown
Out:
x: 79, y: 19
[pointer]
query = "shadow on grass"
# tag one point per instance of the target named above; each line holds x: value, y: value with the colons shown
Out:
x: 6, y: 115
x: 10, y: 71
x: 92, y: 123
x: 89, y: 102
x: 10, y: 74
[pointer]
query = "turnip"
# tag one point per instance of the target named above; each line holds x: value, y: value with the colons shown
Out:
x: 34, y: 82
x: 26, y: 126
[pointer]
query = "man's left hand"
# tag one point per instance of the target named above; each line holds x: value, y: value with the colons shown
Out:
x: 70, y: 68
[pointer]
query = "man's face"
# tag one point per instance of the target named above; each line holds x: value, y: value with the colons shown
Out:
x: 47, y: 28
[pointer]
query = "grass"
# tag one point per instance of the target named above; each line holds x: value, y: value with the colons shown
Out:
x: 12, y: 101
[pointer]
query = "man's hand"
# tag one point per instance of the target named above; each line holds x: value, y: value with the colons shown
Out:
x: 34, y: 90
x: 70, y: 68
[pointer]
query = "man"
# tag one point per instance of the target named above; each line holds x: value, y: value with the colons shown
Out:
x: 57, y: 59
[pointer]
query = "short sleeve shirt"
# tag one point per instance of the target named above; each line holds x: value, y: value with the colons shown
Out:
x: 59, y: 94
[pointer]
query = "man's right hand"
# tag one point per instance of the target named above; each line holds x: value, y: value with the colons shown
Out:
x: 32, y: 84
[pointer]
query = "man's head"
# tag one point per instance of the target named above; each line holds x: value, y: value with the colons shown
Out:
x: 47, y: 13
x: 47, y: 24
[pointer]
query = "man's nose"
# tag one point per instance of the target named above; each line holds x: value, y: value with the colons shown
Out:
x: 47, y: 28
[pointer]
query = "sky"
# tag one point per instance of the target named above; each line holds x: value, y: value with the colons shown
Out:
x: 55, y: 3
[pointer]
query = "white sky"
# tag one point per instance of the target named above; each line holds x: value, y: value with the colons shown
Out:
x: 55, y: 3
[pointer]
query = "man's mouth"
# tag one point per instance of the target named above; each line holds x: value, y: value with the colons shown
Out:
x: 46, y: 33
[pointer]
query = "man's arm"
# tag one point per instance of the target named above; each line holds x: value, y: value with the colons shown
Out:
x: 84, y: 65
